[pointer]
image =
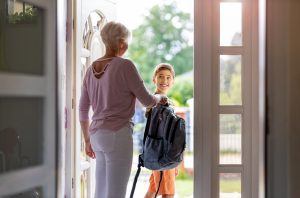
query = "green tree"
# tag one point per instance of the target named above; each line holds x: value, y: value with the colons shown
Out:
x: 182, y: 90
x: 230, y: 85
x: 163, y: 37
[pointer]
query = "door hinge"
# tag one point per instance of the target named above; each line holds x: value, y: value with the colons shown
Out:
x: 70, y: 26
x: 66, y: 118
x: 72, y: 183
x: 72, y: 103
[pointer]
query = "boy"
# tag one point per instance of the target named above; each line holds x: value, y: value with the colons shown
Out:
x: 163, y: 78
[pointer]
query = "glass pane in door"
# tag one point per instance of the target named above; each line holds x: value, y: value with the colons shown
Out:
x: 31, y: 193
x: 231, y: 24
x: 230, y: 139
x: 230, y: 80
x: 21, y: 38
x: 230, y: 185
x: 21, y: 132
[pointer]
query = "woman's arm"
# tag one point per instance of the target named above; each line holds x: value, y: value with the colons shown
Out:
x: 85, y: 130
x: 137, y: 87
x: 84, y: 106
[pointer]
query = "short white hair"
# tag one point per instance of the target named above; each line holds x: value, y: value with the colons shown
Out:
x: 112, y: 32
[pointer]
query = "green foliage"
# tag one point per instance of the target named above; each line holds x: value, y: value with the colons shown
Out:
x: 230, y: 82
x: 28, y: 16
x: 162, y: 38
x: 138, y: 127
x: 184, y: 188
x: 182, y: 175
x: 230, y: 124
x: 182, y: 90
x: 229, y: 151
x: 230, y: 186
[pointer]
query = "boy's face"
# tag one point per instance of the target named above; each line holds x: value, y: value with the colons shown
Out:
x: 163, y: 81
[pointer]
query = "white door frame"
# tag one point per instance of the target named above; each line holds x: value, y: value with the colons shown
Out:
x: 206, y: 108
x: 62, y: 90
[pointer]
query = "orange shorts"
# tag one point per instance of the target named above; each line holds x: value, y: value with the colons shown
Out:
x: 167, y: 185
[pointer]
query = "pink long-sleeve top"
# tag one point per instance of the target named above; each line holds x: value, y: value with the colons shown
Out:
x: 112, y: 97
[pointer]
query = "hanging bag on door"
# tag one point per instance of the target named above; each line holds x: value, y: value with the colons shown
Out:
x: 163, y: 143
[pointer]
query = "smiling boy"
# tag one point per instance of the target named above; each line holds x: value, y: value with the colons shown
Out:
x: 163, y: 79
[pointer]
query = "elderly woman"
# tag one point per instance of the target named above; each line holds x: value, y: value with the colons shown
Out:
x: 111, y: 86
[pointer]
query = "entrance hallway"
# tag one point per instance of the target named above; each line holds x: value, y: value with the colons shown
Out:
x: 45, y: 46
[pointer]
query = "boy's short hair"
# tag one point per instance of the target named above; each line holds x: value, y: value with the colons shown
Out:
x: 164, y: 66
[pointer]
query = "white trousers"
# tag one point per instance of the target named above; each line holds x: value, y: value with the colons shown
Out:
x: 113, y: 151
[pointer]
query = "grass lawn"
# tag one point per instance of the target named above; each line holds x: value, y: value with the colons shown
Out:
x: 230, y: 186
x: 184, y: 187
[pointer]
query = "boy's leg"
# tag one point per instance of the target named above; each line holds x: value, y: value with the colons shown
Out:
x: 167, y: 196
x: 152, y: 187
x: 149, y: 195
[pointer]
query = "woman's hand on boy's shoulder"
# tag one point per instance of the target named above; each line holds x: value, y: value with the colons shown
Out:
x: 162, y: 99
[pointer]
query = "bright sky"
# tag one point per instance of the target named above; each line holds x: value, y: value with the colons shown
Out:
x: 130, y: 12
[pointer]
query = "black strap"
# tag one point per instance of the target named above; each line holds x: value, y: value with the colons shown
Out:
x: 149, y: 114
x: 161, y: 175
x: 140, y: 164
x: 135, y: 180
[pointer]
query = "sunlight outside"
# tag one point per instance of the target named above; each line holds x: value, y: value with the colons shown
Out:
x: 174, y: 46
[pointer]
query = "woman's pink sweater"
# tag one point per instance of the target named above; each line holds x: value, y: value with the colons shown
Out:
x: 113, y: 96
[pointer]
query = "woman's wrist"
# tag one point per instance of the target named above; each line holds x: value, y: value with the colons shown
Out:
x: 157, y: 98
x: 162, y: 99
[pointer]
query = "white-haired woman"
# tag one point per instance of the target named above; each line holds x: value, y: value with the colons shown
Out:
x: 111, y: 86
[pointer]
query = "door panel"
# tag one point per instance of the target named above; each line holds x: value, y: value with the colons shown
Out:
x: 228, y: 99
x: 27, y: 98
x: 90, y: 18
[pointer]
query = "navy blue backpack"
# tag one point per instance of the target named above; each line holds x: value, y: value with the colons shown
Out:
x: 163, y: 143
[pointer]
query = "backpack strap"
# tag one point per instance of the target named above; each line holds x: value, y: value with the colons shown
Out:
x: 147, y: 126
x: 141, y: 162
x: 135, y: 179
x: 161, y: 175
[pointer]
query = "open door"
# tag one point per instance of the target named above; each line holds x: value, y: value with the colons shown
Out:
x: 28, y: 121
x: 89, y: 17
